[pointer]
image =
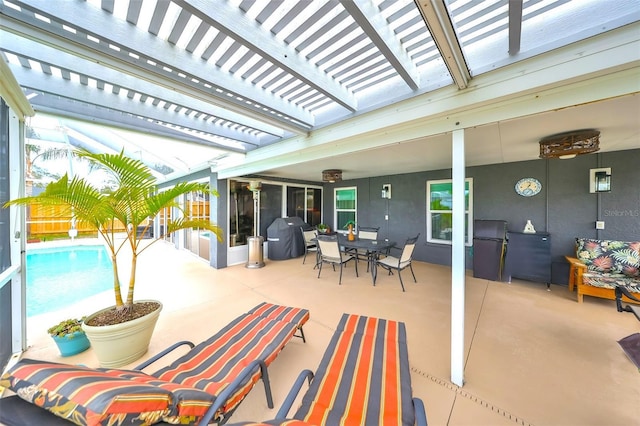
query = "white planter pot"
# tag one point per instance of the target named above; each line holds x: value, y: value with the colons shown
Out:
x: 120, y: 344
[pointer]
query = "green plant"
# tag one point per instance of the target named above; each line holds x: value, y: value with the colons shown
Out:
x: 134, y: 199
x: 350, y: 222
x: 322, y: 227
x: 66, y: 328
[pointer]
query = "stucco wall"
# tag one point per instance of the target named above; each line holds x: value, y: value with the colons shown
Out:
x: 564, y: 207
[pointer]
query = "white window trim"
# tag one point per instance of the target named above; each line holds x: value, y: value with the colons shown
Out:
x: 468, y: 212
x: 336, y: 210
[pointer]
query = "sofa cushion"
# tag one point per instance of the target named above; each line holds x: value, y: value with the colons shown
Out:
x: 610, y: 256
x: 605, y: 280
x: 86, y: 396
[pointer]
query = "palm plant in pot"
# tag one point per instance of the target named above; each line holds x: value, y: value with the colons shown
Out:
x: 121, y: 216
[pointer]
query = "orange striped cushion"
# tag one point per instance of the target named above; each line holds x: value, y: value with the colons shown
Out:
x: 363, y: 377
x: 296, y: 316
x: 286, y: 422
x: 213, y: 364
x: 188, y: 405
x: 86, y: 396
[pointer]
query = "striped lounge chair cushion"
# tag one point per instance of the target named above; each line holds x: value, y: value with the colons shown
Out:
x: 363, y: 377
x: 188, y: 405
x: 86, y: 396
x: 285, y: 422
x: 213, y: 364
x: 290, y: 314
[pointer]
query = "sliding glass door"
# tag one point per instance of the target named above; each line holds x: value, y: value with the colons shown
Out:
x: 305, y: 203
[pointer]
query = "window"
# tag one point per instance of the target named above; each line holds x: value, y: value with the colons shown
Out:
x: 197, y: 207
x: 345, y: 206
x: 305, y: 203
x: 271, y: 206
x: 440, y: 214
x: 240, y: 212
x: 276, y: 200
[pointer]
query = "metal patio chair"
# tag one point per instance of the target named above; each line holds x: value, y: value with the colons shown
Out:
x: 392, y: 263
x: 330, y: 253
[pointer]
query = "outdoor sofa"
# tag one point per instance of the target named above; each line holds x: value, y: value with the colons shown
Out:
x: 599, y: 266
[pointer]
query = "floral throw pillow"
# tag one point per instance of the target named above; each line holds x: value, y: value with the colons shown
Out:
x: 610, y: 256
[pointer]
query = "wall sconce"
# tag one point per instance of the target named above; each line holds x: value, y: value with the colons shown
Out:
x: 386, y: 191
x: 600, y: 180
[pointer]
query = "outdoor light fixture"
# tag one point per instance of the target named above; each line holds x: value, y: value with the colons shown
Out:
x: 600, y: 180
x: 386, y: 191
x: 332, y: 175
x: 568, y: 145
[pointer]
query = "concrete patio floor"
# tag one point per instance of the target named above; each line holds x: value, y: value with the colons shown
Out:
x: 532, y: 356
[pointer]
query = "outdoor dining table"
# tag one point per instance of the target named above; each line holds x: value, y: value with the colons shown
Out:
x: 373, y: 247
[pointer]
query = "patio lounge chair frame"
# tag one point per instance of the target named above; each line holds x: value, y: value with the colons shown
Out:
x: 363, y: 378
x: 15, y: 411
x: 223, y: 396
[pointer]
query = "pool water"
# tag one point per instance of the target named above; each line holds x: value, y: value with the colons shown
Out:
x: 62, y: 276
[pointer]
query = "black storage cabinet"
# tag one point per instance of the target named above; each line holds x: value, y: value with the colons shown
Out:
x: 489, y: 248
x: 529, y: 257
x: 285, y: 238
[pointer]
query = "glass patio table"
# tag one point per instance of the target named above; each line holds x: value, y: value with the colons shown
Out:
x: 373, y: 247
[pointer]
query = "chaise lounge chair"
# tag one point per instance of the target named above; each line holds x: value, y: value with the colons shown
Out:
x: 363, y: 379
x: 205, y: 385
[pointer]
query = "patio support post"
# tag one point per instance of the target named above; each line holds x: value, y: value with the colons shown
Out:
x: 458, y: 258
x: 218, y: 213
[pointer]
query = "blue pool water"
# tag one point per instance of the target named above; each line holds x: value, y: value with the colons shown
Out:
x: 62, y: 276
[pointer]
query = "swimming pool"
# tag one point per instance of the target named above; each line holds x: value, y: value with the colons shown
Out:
x: 61, y: 276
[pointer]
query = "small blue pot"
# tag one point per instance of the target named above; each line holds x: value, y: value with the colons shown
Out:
x: 72, y: 344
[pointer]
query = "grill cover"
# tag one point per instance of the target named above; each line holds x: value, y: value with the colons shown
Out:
x: 285, y: 239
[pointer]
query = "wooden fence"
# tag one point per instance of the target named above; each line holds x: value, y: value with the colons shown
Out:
x: 52, y: 221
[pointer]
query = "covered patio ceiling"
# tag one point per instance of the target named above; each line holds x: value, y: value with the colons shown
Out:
x: 287, y: 88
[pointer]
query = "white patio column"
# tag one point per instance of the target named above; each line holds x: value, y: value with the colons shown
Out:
x: 457, y: 258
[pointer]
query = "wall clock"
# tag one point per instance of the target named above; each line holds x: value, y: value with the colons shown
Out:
x: 528, y: 187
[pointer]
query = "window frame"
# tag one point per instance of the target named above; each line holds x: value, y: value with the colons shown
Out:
x: 336, y: 210
x: 468, y: 211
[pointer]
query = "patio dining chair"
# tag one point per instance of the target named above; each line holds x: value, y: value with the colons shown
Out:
x: 619, y: 292
x: 366, y: 233
x: 630, y: 344
x: 393, y: 263
x: 330, y: 253
x: 310, y: 243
